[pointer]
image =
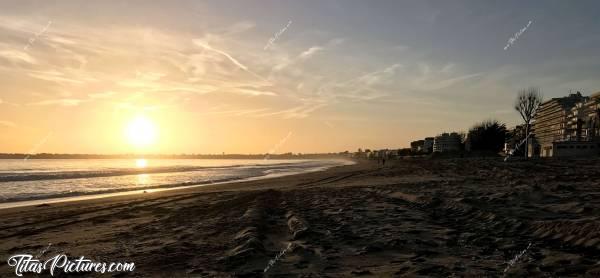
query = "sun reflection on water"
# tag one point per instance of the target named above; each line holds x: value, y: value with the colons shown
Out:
x: 143, y: 179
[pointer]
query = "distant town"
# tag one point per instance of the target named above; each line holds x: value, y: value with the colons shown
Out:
x: 559, y: 127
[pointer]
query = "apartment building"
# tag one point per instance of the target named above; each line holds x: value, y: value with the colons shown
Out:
x: 428, y: 145
x: 568, y: 126
x: 446, y: 142
x: 416, y: 146
x: 583, y: 122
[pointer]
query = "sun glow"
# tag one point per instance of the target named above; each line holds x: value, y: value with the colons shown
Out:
x: 141, y: 163
x: 141, y: 132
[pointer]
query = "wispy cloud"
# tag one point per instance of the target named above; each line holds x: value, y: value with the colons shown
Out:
x: 101, y: 95
x: 380, y: 75
x: 132, y: 67
x: 238, y: 112
x: 298, y: 112
x: 62, y: 102
x: 7, y: 123
x: 230, y: 58
x: 17, y: 56
x: 310, y: 52
x: 282, y: 63
x: 37, y: 35
x: 233, y: 60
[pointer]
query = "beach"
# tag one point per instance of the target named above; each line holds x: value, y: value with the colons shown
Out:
x: 468, y: 217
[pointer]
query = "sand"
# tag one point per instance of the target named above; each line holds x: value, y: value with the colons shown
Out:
x: 412, y: 218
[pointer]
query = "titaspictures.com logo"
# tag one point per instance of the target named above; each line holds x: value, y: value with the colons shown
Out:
x: 25, y: 263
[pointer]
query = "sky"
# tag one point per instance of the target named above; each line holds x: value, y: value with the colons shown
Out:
x: 279, y: 76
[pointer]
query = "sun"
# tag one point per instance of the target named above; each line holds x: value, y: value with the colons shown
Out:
x: 141, y: 163
x: 141, y: 132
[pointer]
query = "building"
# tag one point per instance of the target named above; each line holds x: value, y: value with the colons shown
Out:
x: 428, y: 145
x: 416, y: 146
x: 583, y: 123
x: 568, y: 126
x: 575, y: 148
x: 447, y: 142
x: 551, y: 122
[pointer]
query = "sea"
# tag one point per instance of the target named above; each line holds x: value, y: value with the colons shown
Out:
x: 39, y: 179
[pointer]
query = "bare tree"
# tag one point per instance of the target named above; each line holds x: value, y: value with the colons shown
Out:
x: 527, y: 104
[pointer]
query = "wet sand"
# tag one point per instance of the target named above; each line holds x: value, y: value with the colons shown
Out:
x: 440, y: 218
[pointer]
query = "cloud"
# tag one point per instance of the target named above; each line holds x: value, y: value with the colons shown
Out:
x: 61, y: 102
x: 310, y: 52
x: 233, y: 60
x: 55, y: 76
x: 380, y: 75
x: 447, y: 68
x: 229, y: 57
x: 7, y: 123
x: 237, y: 112
x: 141, y: 65
x: 336, y: 41
x: 253, y: 92
x: 240, y: 27
x: 400, y: 48
x: 282, y: 63
x: 17, y: 56
x: 298, y: 112
x: 441, y: 84
x: 101, y: 95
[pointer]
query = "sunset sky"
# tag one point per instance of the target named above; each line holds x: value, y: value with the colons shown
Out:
x: 338, y: 75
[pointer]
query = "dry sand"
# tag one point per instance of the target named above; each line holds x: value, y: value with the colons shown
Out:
x: 428, y: 218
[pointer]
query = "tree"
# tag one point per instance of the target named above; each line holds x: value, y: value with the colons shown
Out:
x: 487, y: 136
x: 527, y: 104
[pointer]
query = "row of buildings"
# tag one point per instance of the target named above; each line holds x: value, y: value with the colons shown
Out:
x: 444, y: 142
x: 566, y: 126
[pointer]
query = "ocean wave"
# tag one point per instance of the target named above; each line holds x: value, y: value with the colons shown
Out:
x: 17, y: 187
x: 34, y: 174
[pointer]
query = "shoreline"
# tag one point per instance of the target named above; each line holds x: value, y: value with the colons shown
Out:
x: 81, y: 196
